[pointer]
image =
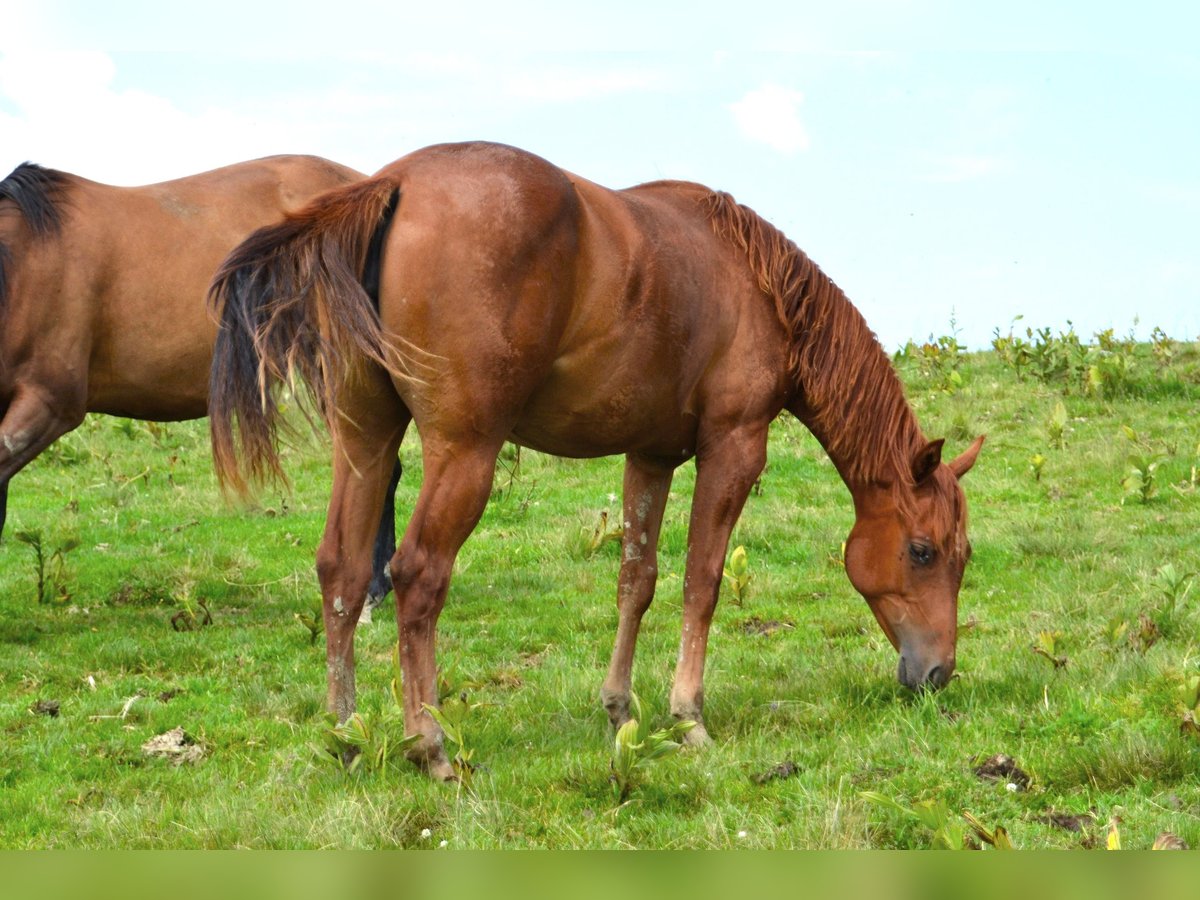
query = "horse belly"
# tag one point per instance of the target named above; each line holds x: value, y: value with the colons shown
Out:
x: 589, y: 417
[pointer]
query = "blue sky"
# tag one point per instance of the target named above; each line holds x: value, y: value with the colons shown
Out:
x: 939, y: 160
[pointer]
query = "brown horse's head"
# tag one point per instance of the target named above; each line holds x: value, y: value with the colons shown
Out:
x: 906, y: 555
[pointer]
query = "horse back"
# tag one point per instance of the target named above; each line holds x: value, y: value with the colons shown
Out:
x: 586, y: 320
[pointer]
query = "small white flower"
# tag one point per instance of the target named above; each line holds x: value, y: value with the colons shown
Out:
x: 742, y: 834
x: 612, y: 498
x: 1011, y: 787
x: 444, y: 844
x: 426, y: 834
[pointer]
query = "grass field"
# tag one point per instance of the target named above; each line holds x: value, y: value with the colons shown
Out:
x: 1085, y: 491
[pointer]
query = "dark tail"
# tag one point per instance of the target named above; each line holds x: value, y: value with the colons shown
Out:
x: 290, y: 301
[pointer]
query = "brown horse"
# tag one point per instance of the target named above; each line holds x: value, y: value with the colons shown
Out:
x: 102, y: 293
x: 521, y: 302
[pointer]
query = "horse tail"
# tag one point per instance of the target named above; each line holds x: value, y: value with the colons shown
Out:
x: 296, y: 298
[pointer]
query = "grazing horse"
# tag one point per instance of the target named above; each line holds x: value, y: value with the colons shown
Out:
x: 519, y: 302
x: 102, y: 294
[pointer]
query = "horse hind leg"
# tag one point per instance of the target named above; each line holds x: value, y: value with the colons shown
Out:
x: 455, y: 489
x: 645, y: 496
x: 360, y: 477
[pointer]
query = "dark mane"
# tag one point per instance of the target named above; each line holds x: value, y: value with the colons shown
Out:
x: 36, y: 192
x: 853, y: 398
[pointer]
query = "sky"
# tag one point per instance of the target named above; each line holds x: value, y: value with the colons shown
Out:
x: 951, y: 165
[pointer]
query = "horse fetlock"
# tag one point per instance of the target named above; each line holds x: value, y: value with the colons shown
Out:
x: 429, y: 753
x: 698, y: 736
x: 616, y: 704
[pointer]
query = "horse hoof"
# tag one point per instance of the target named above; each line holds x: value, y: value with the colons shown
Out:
x: 698, y: 737
x: 441, y: 770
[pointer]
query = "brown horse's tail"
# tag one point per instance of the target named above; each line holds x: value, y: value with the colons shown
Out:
x: 299, y: 297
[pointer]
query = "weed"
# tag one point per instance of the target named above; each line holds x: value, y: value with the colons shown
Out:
x: 737, y: 573
x: 193, y: 613
x: 590, y: 538
x: 636, y: 746
x: 1172, y: 586
x: 313, y: 620
x: 1036, y: 463
x: 1056, y: 426
x: 50, y: 564
x: 1140, y: 481
x: 1048, y: 645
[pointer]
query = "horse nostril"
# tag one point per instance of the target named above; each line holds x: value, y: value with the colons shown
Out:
x: 936, y: 677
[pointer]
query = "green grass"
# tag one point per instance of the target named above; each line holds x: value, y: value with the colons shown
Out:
x: 528, y: 629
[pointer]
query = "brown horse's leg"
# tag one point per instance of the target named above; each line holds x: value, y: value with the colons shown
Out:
x: 361, y: 469
x: 646, y: 487
x: 725, y: 471
x: 454, y: 492
x: 30, y: 425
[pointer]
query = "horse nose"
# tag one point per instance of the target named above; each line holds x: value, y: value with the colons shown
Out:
x: 937, y: 677
x: 916, y: 677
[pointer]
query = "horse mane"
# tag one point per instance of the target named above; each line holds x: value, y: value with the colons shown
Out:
x: 37, y: 194
x: 851, y: 396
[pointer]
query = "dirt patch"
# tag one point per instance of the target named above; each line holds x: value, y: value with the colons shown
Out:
x: 763, y: 627
x: 176, y: 745
x: 785, y: 769
x: 1066, y: 821
x: 45, y: 708
x: 1002, y: 768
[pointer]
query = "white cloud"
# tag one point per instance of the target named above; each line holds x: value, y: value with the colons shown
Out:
x: 69, y: 115
x: 770, y: 115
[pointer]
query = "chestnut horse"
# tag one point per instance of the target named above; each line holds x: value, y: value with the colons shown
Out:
x: 102, y: 294
x: 520, y: 302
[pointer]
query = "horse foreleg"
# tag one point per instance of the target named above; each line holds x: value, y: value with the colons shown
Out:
x: 28, y: 427
x: 360, y: 479
x: 645, y: 496
x: 455, y: 489
x: 725, y: 471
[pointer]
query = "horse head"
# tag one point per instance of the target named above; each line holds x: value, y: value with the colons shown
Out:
x: 906, y: 555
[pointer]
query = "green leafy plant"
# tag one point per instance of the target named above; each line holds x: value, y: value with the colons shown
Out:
x: 50, y: 564
x: 948, y: 831
x: 193, y: 613
x: 1172, y: 586
x: 313, y: 620
x: 1036, y: 463
x: 737, y: 573
x: 364, y: 742
x: 452, y: 717
x: 635, y: 746
x: 1048, y: 645
x: 591, y: 537
x: 1056, y: 426
x: 1140, y: 481
x: 1012, y: 350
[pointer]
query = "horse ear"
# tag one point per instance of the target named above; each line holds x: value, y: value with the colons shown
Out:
x: 962, y: 465
x: 927, y: 460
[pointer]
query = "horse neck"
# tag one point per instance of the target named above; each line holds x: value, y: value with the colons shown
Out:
x: 845, y: 389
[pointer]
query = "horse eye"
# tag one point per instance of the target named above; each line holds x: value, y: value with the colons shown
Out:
x: 920, y: 554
